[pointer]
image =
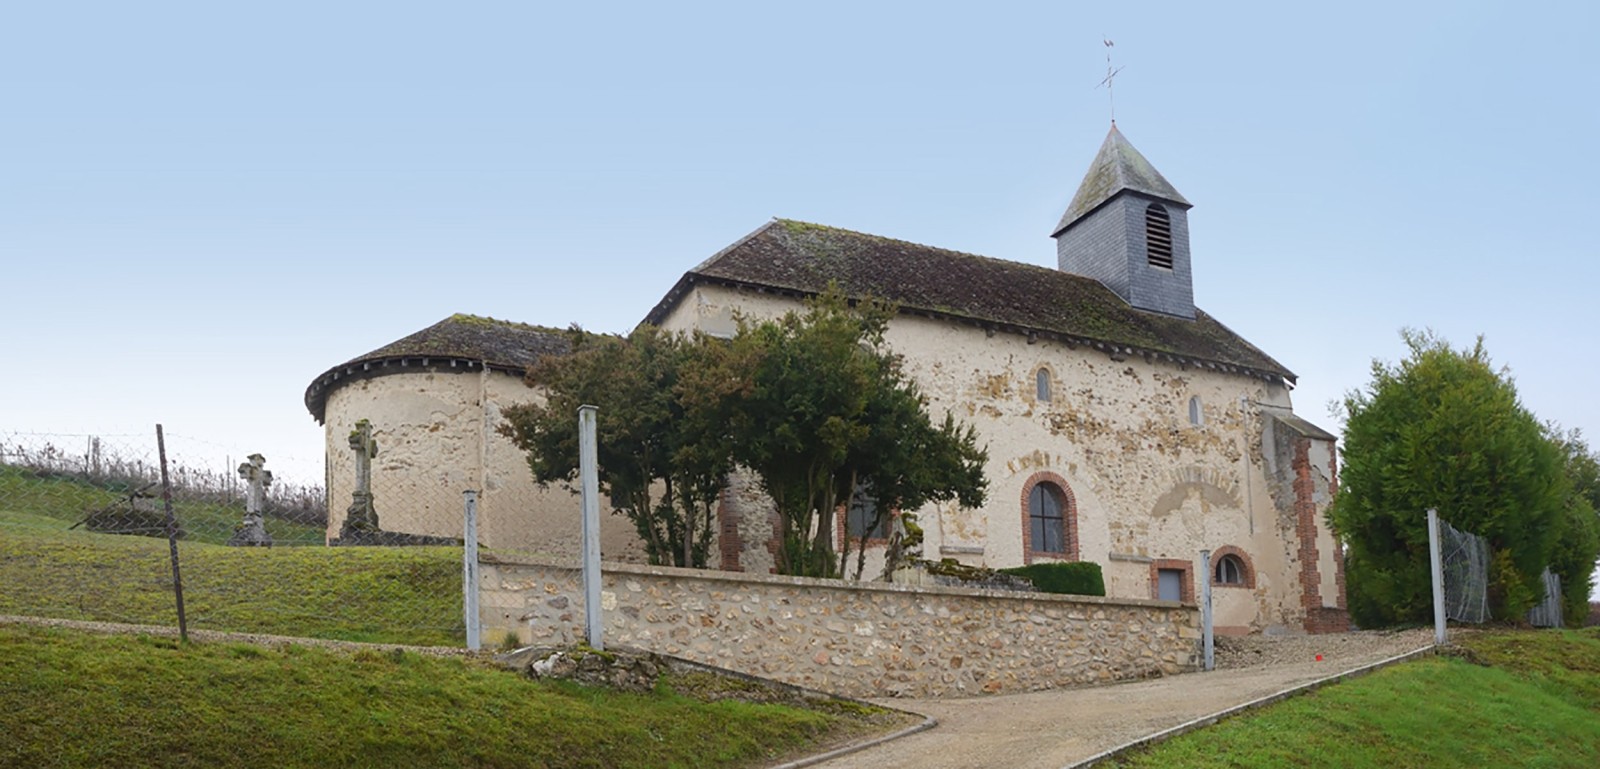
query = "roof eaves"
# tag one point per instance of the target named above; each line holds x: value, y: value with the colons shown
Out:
x: 316, y: 396
x: 659, y: 312
x: 1118, y: 351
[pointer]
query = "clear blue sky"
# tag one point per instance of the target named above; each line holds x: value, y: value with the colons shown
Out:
x: 203, y: 206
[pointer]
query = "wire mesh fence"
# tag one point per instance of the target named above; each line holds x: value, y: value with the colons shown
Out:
x: 1548, y: 612
x: 1465, y: 560
x: 84, y: 527
x: 1464, y: 557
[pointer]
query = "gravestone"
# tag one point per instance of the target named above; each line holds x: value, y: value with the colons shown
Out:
x: 252, y: 532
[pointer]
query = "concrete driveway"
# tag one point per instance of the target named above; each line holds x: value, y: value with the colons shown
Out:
x: 1053, y: 729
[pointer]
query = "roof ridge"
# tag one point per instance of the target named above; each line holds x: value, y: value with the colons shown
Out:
x: 470, y: 318
x: 915, y: 244
x: 990, y: 292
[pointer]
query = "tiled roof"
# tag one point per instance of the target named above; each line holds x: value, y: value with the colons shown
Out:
x: 800, y: 258
x: 464, y: 342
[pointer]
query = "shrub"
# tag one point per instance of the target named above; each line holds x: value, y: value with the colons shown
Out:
x: 1076, y: 578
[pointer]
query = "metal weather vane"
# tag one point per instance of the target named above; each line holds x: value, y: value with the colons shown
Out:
x: 1110, y: 79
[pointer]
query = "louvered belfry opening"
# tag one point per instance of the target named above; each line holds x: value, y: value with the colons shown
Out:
x: 1158, y: 236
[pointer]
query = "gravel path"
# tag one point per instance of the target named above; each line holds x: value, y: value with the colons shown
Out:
x: 1052, y: 729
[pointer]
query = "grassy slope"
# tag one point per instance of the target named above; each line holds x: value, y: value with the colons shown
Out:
x: 79, y: 700
x: 395, y: 595
x: 1538, y: 706
x: 70, y: 499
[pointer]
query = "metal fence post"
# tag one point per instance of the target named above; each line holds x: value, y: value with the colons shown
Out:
x: 1436, y: 564
x: 593, y: 622
x: 469, y: 572
x: 1205, y: 610
x: 172, y: 534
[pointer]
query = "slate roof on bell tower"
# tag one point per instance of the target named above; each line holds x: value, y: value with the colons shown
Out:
x: 1118, y: 167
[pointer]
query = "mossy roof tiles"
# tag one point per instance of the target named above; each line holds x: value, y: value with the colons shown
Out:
x: 1117, y: 168
x: 801, y: 258
x: 469, y: 341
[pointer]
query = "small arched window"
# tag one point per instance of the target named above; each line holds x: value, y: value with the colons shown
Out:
x: 1197, y: 416
x: 1042, y: 385
x: 1158, y: 236
x: 1229, y: 571
x: 1231, y: 567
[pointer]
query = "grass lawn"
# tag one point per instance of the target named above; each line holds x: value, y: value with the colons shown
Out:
x: 69, y: 499
x: 1514, y: 698
x: 72, y: 699
x: 409, y: 595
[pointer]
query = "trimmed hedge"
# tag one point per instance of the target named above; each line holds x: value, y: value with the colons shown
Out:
x: 1075, y: 578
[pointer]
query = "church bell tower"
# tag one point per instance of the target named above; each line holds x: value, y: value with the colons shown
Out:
x: 1129, y: 228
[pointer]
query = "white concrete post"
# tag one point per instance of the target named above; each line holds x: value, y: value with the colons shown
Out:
x: 1436, y: 564
x: 469, y: 572
x: 1205, y: 610
x: 593, y: 622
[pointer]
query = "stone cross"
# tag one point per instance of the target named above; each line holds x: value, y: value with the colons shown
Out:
x: 362, y: 516
x: 252, y: 532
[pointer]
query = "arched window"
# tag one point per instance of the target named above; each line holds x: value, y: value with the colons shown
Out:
x: 1230, y: 571
x: 1158, y: 236
x: 1049, y: 518
x: 1196, y: 416
x: 1230, y: 567
x: 1042, y: 385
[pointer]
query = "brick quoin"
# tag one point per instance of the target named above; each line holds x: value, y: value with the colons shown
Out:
x: 728, y: 540
x: 1318, y: 619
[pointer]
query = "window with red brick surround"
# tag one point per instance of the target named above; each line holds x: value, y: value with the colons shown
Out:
x: 1187, y: 567
x: 1060, y: 493
x: 843, y: 529
x: 1246, y: 569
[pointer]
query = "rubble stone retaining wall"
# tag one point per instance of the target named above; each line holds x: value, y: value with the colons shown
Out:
x: 856, y: 639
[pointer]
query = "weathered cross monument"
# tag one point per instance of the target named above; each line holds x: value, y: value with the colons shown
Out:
x: 252, y: 532
x: 361, y: 517
x: 360, y: 525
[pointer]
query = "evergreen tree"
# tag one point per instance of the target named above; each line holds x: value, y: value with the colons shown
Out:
x: 1577, y: 545
x: 813, y: 403
x: 662, y: 458
x: 1443, y: 429
x: 825, y: 412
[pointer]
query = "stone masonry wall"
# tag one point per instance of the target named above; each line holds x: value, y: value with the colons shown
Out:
x: 1143, y: 480
x: 436, y: 433
x: 858, y: 639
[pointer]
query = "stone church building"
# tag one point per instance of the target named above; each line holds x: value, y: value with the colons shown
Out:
x: 1124, y: 425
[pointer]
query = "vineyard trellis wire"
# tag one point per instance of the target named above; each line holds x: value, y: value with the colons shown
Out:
x: 83, y: 536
